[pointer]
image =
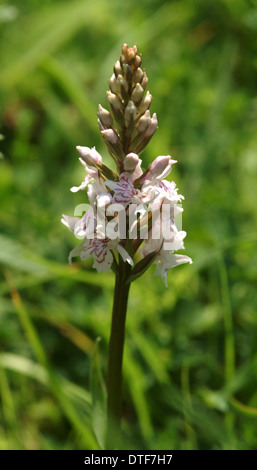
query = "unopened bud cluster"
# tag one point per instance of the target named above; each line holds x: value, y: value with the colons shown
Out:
x: 129, y: 103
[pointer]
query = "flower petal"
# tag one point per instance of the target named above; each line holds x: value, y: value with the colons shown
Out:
x: 69, y: 221
x: 76, y: 251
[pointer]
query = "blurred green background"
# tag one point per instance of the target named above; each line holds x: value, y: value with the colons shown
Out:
x: 190, y: 365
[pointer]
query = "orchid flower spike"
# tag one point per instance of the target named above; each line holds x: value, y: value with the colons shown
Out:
x: 132, y: 209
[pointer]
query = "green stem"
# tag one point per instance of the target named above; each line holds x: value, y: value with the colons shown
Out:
x: 116, y: 344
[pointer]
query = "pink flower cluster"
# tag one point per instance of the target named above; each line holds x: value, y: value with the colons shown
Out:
x: 147, y: 194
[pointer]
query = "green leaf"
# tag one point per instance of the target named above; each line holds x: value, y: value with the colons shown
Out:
x: 47, y: 30
x: 214, y: 399
x: 27, y: 367
x: 142, y: 266
x: 136, y: 383
x: 242, y: 408
x: 38, y: 349
x: 73, y: 88
x: 98, y: 392
x: 14, y: 255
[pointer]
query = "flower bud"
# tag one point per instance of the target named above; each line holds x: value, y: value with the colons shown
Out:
x: 122, y: 85
x: 161, y: 166
x: 138, y: 75
x: 145, y: 103
x: 89, y: 156
x: 131, y: 56
x: 113, y: 84
x: 100, y: 125
x: 114, y: 101
x: 122, y: 59
x: 137, y: 94
x: 104, y: 117
x: 144, y: 122
x: 152, y: 127
x: 130, y: 162
x: 124, y: 48
x: 113, y: 143
x: 137, y: 62
x: 130, y: 111
x: 117, y: 68
x: 127, y: 72
x: 144, y: 81
x: 110, y: 136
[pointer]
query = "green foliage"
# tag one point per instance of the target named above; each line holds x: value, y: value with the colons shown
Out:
x: 98, y: 392
x: 190, y: 354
